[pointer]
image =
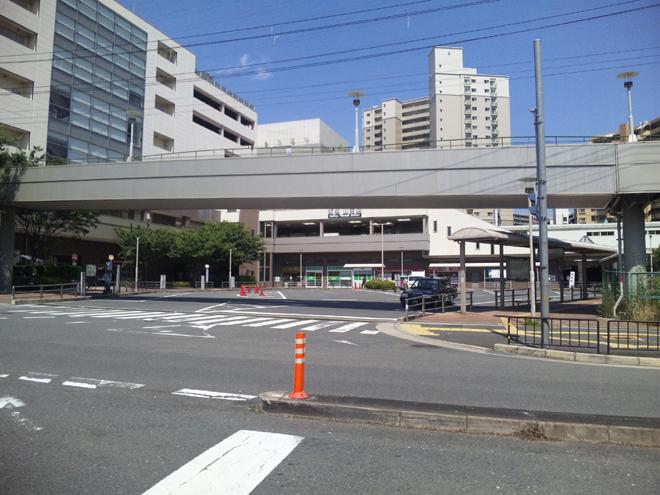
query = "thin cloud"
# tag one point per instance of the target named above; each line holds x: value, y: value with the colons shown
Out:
x: 246, y: 62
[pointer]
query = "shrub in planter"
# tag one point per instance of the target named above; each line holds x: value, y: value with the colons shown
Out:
x: 380, y: 285
x: 245, y: 279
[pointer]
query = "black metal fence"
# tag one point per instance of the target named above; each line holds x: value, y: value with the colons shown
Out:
x: 631, y: 335
x: 575, y: 333
x: 419, y: 306
x: 621, y: 336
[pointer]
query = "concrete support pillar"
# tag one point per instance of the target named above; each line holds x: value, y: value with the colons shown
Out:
x: 501, y: 276
x: 583, y: 276
x: 634, y: 247
x: 7, y: 233
x: 272, y: 279
x: 321, y: 231
x: 462, y: 285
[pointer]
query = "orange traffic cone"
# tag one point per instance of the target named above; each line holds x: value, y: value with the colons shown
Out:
x: 242, y: 290
x: 261, y: 292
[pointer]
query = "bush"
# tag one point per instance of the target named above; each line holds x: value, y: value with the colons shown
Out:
x: 45, y: 274
x: 380, y: 285
x: 246, y: 279
x: 179, y: 284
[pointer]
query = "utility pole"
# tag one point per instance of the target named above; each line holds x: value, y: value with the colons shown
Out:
x: 137, y: 260
x: 230, y: 284
x: 541, y: 189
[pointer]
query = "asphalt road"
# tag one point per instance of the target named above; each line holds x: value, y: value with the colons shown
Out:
x: 114, y: 395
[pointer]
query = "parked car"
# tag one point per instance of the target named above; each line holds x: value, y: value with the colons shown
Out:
x: 407, y: 280
x: 434, y: 288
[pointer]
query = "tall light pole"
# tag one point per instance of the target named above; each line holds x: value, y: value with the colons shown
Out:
x: 532, y: 278
x: 382, y: 247
x: 356, y: 95
x: 230, y: 284
x: 628, y: 84
x: 542, y: 199
x: 137, y: 259
x: 651, y: 244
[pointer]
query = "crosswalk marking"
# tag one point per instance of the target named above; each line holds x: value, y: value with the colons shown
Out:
x: 296, y: 323
x: 319, y: 326
x: 237, y: 465
x: 266, y: 323
x: 350, y: 326
x: 199, y: 320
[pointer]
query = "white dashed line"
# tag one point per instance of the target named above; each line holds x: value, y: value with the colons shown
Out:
x: 209, y: 394
x: 267, y: 322
x: 78, y: 384
x: 37, y: 377
x: 296, y: 323
x: 4, y: 376
x: 37, y: 317
x: 370, y: 332
x: 163, y: 326
x: 319, y: 326
x: 345, y: 342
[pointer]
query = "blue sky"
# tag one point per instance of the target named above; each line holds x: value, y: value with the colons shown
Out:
x: 584, y: 98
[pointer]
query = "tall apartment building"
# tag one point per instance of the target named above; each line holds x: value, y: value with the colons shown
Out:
x: 464, y: 105
x: 396, y: 124
x: 76, y: 76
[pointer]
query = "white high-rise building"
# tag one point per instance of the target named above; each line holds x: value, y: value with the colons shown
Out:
x: 74, y: 75
x: 466, y: 108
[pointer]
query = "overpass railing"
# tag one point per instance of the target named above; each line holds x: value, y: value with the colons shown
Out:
x: 284, y: 150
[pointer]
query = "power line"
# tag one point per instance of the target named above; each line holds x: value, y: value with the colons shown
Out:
x: 388, y: 53
x: 299, y: 30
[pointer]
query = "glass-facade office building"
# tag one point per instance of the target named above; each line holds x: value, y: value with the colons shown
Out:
x: 97, y: 82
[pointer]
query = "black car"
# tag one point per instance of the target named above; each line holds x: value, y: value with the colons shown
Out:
x: 433, y: 288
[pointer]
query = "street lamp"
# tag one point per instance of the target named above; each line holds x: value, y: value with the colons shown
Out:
x: 628, y: 84
x: 382, y: 247
x: 206, y: 275
x: 356, y: 95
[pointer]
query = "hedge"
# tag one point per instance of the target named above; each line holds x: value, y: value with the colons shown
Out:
x: 380, y: 285
x: 45, y: 274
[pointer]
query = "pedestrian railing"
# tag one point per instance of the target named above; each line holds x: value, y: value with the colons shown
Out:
x: 512, y: 297
x: 421, y: 305
x: 622, y: 336
x: 45, y: 290
x: 633, y: 335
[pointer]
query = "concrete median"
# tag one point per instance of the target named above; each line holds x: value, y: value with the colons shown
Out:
x: 536, y: 425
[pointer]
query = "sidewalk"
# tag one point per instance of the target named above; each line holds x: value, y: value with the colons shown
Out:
x: 486, y: 326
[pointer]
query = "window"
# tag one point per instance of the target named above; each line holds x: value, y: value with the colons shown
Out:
x: 435, y: 226
x: 163, y: 142
x: 164, y: 105
x: 18, y: 33
x: 165, y: 79
x: 448, y: 230
x: 31, y: 5
x: 166, y: 52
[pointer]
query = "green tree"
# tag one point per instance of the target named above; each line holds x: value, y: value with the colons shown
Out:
x: 13, y: 163
x: 156, y: 245
x: 41, y: 227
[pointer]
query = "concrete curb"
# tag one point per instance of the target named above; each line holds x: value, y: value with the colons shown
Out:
x: 532, y: 425
x: 17, y: 302
x: 581, y: 357
x: 395, y: 330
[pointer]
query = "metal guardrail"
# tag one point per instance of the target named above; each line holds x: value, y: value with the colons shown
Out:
x: 512, y: 297
x: 634, y: 335
x: 45, y: 289
x: 419, y: 306
x: 563, y: 332
x: 622, y: 336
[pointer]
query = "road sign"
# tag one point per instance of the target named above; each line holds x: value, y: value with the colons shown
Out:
x: 571, y: 280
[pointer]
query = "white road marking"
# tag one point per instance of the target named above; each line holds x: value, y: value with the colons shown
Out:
x: 251, y: 320
x: 37, y: 377
x: 339, y: 317
x: 37, y: 317
x: 344, y: 342
x: 75, y: 322
x: 296, y: 323
x: 95, y: 383
x: 142, y: 332
x: 319, y: 326
x: 370, y: 332
x: 348, y: 327
x: 281, y: 295
x: 78, y: 384
x: 4, y: 376
x: 192, y: 317
x: 111, y: 315
x: 267, y: 322
x: 13, y: 403
x: 163, y: 326
x: 489, y: 291
x: 339, y: 300
x: 202, y: 310
x: 3, y: 317
x: 143, y: 315
x: 234, y: 466
x: 209, y: 394
x: 10, y: 401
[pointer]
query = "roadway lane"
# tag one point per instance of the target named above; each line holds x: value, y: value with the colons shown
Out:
x: 117, y: 440
x: 252, y: 358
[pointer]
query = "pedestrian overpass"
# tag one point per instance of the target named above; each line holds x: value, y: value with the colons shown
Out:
x: 578, y: 175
